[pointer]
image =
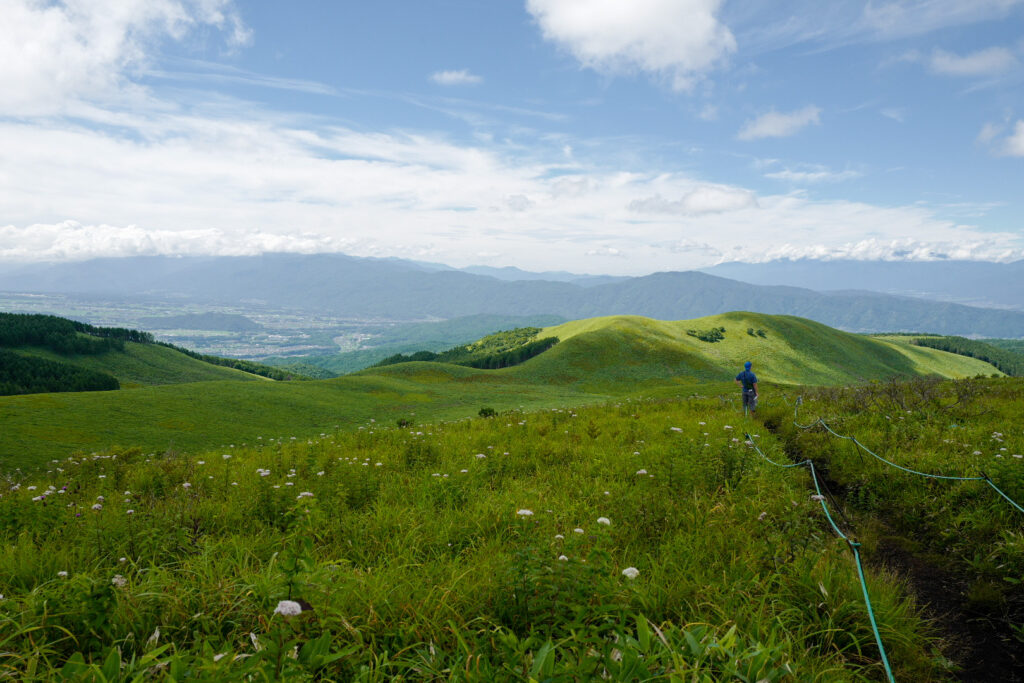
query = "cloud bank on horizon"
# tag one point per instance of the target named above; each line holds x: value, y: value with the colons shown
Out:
x: 580, y: 135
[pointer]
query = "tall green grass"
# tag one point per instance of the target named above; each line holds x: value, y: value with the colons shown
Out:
x: 635, y: 541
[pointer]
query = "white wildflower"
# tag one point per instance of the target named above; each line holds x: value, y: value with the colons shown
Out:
x: 62, y: 574
x: 186, y: 485
x: 577, y: 530
x: 119, y: 581
x: 97, y: 507
x: 818, y: 497
x: 288, y: 608
x: 559, y: 537
x: 604, y: 520
x: 641, y: 472
x: 129, y: 512
x: 524, y: 513
x: 563, y: 558
x: 631, y: 572
x: 676, y: 429
x: 761, y: 516
x: 304, y: 494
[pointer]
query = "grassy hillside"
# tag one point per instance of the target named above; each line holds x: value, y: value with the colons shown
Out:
x: 794, y: 351
x: 145, y: 365
x: 598, y: 360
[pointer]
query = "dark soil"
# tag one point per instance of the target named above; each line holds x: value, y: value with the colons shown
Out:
x: 978, y: 642
x: 982, y: 647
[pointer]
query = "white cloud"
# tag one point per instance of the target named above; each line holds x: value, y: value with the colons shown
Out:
x: 700, y: 200
x: 780, y: 125
x: 678, y: 39
x: 902, y: 18
x: 460, y: 77
x: 897, y: 114
x: 1014, y: 144
x: 989, y: 131
x: 70, y: 49
x: 987, y: 62
x: 817, y: 174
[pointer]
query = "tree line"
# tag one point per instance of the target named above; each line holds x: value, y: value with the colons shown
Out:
x: 463, y: 355
x: 64, y: 336
x: 27, y: 375
x: 1008, y: 362
x: 252, y: 368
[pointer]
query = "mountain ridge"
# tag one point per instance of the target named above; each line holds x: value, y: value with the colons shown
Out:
x: 381, y: 289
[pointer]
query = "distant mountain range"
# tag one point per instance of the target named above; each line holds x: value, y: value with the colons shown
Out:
x: 975, y: 283
x: 396, y: 289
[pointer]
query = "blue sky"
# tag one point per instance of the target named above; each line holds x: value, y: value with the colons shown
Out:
x: 586, y: 135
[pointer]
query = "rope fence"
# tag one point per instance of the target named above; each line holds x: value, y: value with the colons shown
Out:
x: 854, y: 547
x: 984, y: 477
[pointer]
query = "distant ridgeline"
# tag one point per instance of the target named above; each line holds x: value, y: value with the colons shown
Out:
x: 1009, y: 362
x: 499, y: 350
x: 26, y: 374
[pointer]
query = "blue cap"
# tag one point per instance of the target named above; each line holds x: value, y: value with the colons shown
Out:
x: 747, y: 365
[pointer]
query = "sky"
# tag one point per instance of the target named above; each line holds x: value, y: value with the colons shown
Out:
x: 593, y: 136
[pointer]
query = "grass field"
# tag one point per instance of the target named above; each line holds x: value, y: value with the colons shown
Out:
x: 597, y: 360
x: 146, y: 365
x: 635, y: 541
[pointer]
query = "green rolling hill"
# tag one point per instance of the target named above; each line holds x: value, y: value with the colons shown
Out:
x: 597, y: 360
x: 140, y: 365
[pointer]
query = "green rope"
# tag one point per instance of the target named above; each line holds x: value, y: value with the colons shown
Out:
x: 1012, y: 502
x: 854, y: 546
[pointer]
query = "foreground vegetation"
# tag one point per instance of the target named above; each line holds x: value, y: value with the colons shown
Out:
x: 636, y: 540
x: 961, y: 429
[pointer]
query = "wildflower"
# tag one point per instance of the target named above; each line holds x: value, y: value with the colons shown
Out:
x: 320, y: 473
x: 122, y: 559
x: 640, y: 472
x: 976, y: 453
x: 702, y: 423
x: 119, y: 581
x: 127, y: 493
x: 577, y: 530
x: 200, y: 462
x: 186, y: 485
x: 304, y: 494
x: 761, y: 516
x: 97, y: 507
x: 676, y: 429
x: 631, y: 572
x: 818, y: 497
x: 563, y: 558
x: 559, y: 537
x: 524, y: 513
x: 288, y: 608
x: 31, y: 488
x: 155, y: 638
x: 226, y: 456
x: 604, y: 520
x: 100, y: 498
x: 62, y: 574
x: 129, y: 512
x: 480, y: 455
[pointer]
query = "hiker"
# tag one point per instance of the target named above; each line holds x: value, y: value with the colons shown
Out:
x: 748, y: 381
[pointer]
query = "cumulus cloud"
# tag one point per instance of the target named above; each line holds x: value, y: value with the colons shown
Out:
x: 54, y: 52
x: 460, y: 77
x: 70, y: 240
x: 779, y: 124
x: 988, y: 62
x: 678, y: 39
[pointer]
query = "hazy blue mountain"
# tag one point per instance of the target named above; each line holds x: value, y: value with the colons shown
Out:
x: 976, y: 283
x: 513, y: 274
x: 400, y: 290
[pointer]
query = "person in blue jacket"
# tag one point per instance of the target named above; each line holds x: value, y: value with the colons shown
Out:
x: 748, y: 381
